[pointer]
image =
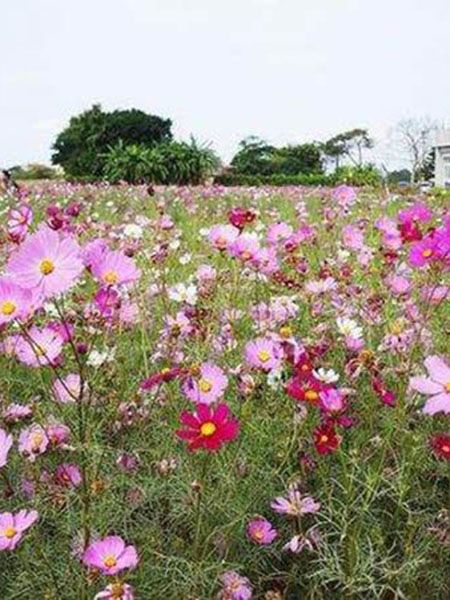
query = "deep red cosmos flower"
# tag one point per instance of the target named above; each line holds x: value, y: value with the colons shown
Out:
x: 305, y: 389
x: 163, y: 376
x: 240, y: 217
x: 440, y: 444
x: 208, y: 428
x: 326, y: 440
x: 386, y: 396
x: 410, y: 232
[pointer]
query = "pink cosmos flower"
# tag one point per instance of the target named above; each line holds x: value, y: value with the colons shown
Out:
x: 263, y: 353
x: 6, y: 442
x: 277, y: 232
x: 235, y: 587
x: 19, y: 220
x: 33, y: 441
x: 352, y: 237
x: 436, y: 385
x: 245, y: 247
x: 110, y: 555
x: 93, y: 251
x: 116, y: 591
x: 261, y: 532
x: 15, y: 302
x: 68, y: 475
x: 208, y: 386
x: 46, y: 262
x: 40, y: 347
x: 295, y: 504
x: 221, y: 236
x: 398, y: 284
x: 344, y: 195
x: 67, y: 391
x: 115, y: 268
x: 58, y: 434
x: 14, y: 413
x: 13, y: 526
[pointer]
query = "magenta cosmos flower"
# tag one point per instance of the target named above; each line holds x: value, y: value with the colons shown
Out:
x: 208, y: 428
x: 39, y: 347
x: 46, y: 262
x: 115, y: 268
x: 263, y: 353
x: 12, y: 527
x: 68, y: 475
x: 6, y: 441
x: 261, y: 532
x: 206, y: 387
x: 436, y: 385
x: 15, y: 302
x: 110, y: 555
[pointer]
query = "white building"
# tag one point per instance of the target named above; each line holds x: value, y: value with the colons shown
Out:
x: 442, y: 168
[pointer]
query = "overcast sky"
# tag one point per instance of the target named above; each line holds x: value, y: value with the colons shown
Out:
x: 286, y: 70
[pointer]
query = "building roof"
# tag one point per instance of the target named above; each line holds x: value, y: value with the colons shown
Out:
x: 443, y: 138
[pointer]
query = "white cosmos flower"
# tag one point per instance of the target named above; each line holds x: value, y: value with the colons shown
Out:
x: 97, y: 358
x: 326, y: 375
x: 185, y: 259
x: 349, y: 328
x: 133, y: 231
x: 183, y: 293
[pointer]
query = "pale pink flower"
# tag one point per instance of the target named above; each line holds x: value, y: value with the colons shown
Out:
x: 13, y: 526
x: 15, y: 302
x: 110, y: 555
x: 263, y: 353
x: 67, y: 390
x: 6, y: 442
x: 206, y: 387
x: 19, y: 220
x: 115, y: 268
x: 260, y: 531
x: 436, y: 385
x: 39, y: 347
x: 116, y: 591
x: 33, y: 441
x: 221, y: 236
x: 46, y: 262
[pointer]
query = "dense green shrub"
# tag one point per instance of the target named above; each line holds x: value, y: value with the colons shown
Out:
x: 33, y: 172
x: 169, y: 163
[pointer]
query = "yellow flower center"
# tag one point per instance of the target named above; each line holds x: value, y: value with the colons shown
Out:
x: 427, y: 253
x: 311, y: 396
x: 117, y: 591
x: 264, y: 355
x: 8, y: 308
x: 36, y: 440
x: 446, y: 449
x: 9, y: 532
x: 205, y: 385
x: 246, y: 255
x: 286, y: 332
x: 110, y: 561
x: 323, y: 439
x: 208, y: 429
x: 47, y: 266
x: 258, y: 534
x: 110, y: 277
x: 396, y: 328
x: 165, y: 370
x: 447, y: 387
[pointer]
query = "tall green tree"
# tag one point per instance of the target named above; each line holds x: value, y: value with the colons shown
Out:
x: 81, y: 148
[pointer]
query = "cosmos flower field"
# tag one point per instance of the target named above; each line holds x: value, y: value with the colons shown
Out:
x: 224, y: 393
